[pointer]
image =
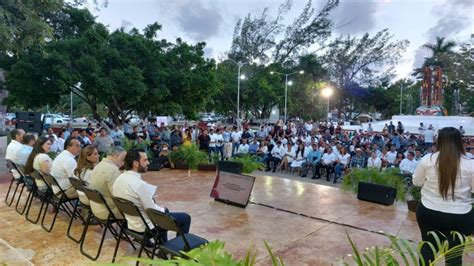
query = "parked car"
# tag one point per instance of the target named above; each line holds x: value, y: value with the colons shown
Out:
x: 50, y: 119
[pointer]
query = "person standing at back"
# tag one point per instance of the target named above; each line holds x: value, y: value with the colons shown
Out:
x: 447, y: 181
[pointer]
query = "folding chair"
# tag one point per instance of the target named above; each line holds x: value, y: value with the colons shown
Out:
x: 43, y: 195
x: 182, y: 242
x: 79, y: 185
x: 98, y: 198
x: 127, y: 207
x: 59, y: 202
x: 12, y: 167
x: 27, y: 182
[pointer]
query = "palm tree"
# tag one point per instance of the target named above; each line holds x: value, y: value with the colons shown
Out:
x: 440, y: 48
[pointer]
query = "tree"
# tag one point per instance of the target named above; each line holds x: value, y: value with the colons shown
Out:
x: 255, y: 39
x: 352, y: 61
x: 440, y: 49
x: 126, y: 72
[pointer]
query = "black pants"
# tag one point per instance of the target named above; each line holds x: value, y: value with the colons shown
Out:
x: 443, y: 224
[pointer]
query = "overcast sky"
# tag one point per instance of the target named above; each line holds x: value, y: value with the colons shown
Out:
x: 213, y: 21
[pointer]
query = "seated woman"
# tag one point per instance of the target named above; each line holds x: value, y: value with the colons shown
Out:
x: 288, y: 157
x: 342, y: 163
x: 88, y: 158
x: 300, y: 158
x: 39, y: 160
x: 398, y: 160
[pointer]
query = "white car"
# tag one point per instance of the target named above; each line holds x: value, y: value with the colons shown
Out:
x: 54, y: 119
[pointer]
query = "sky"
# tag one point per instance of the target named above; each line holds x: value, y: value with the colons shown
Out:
x: 213, y: 21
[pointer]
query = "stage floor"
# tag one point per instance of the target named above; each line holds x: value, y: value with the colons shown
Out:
x: 304, y: 223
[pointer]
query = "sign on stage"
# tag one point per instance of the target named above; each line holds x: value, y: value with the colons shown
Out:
x: 233, y: 189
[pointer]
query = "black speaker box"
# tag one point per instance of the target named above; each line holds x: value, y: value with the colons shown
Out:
x: 29, y: 117
x: 376, y: 193
x: 231, y: 167
x: 30, y: 127
x: 154, y: 165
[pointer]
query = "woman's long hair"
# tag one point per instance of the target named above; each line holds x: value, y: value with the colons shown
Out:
x: 82, y: 162
x: 37, y: 149
x: 449, y: 145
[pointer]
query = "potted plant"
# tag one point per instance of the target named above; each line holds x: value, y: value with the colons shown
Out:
x: 188, y: 155
x: 210, y: 166
x: 390, y: 177
x: 249, y: 163
x: 415, y: 198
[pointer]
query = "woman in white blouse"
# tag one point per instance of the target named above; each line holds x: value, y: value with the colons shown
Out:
x: 300, y: 158
x: 88, y: 158
x: 342, y: 162
x: 288, y: 157
x: 447, y: 181
x: 374, y: 161
x: 39, y: 160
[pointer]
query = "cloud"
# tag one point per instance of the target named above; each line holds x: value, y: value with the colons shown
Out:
x: 198, y: 20
x: 126, y: 25
x: 454, y: 17
x: 353, y: 16
x: 208, y: 52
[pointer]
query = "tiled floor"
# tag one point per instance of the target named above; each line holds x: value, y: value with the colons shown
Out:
x: 303, y: 222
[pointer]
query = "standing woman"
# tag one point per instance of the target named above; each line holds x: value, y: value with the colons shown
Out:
x: 447, y: 181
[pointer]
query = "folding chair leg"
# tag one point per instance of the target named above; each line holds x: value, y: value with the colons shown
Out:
x: 142, y: 246
x: 83, y: 238
x: 27, y: 215
x: 70, y: 225
x: 19, y: 199
x: 118, y: 241
x: 14, y: 193
x: 50, y: 228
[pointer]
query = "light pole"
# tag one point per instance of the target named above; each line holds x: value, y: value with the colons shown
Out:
x: 327, y: 92
x: 401, y: 98
x: 239, y: 77
x: 301, y: 72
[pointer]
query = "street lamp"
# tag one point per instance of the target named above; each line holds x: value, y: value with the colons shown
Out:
x: 239, y: 77
x: 327, y: 92
x: 301, y: 72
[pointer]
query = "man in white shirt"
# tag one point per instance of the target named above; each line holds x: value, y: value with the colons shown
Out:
x: 408, y: 165
x: 243, y: 148
x: 391, y: 155
x: 276, y: 155
x: 374, y: 161
x: 15, y: 145
x: 25, y: 151
x: 235, y: 136
x: 213, y: 141
x: 117, y: 135
x: 64, y: 165
x: 429, y: 136
x: 327, y: 161
x: 130, y: 186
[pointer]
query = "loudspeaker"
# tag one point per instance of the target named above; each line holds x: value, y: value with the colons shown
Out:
x: 28, y: 117
x: 231, y: 167
x: 30, y: 127
x: 154, y: 165
x: 376, y: 193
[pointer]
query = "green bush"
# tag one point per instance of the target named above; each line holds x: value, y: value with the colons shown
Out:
x: 190, y: 155
x: 250, y: 163
x: 390, y: 177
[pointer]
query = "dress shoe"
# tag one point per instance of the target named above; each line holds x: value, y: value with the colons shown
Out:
x: 303, y: 175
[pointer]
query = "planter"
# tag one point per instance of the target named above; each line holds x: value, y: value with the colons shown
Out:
x: 412, y: 205
x: 207, y: 167
x: 181, y: 166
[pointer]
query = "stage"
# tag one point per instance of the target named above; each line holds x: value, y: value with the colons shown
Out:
x: 304, y: 223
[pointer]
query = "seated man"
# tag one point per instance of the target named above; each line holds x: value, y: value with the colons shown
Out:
x: 358, y: 160
x: 102, y: 179
x: 64, y: 165
x: 15, y: 145
x: 276, y: 155
x: 130, y: 186
x: 253, y: 147
x: 327, y: 161
x: 25, y: 151
x: 312, y: 159
x: 243, y: 148
x: 408, y: 165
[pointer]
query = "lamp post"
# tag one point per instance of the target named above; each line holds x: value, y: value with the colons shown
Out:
x: 301, y: 72
x: 327, y: 92
x: 239, y: 77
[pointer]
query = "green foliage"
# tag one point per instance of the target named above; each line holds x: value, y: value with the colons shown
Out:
x: 213, y: 253
x: 390, y: 177
x: 52, y: 154
x: 190, y: 155
x: 144, y: 145
x: 250, y: 163
x: 402, y: 252
x: 415, y: 193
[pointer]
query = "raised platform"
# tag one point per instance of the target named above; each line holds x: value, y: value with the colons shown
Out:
x: 412, y: 122
x: 304, y: 223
